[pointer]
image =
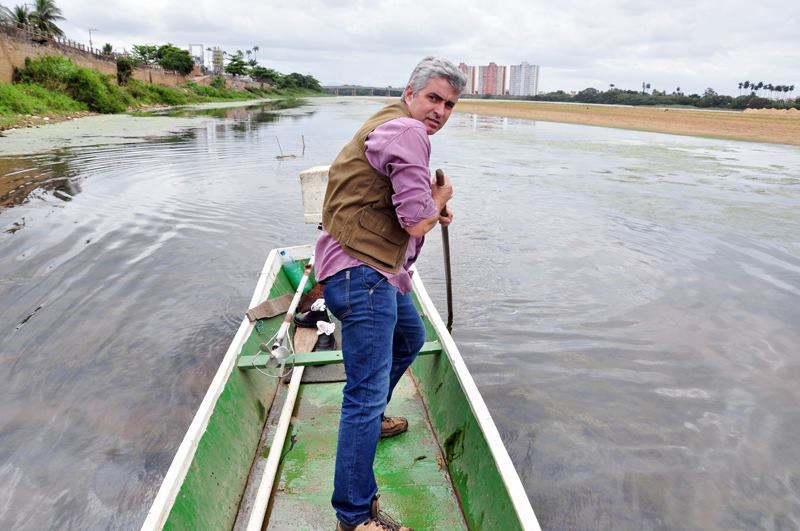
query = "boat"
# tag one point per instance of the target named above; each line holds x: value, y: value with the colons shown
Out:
x: 259, y: 453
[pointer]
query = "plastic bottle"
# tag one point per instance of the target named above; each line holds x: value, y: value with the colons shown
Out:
x: 294, y: 271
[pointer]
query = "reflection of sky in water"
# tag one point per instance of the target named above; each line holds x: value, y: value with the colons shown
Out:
x: 627, y: 302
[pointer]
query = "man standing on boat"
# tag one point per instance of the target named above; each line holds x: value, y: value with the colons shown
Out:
x: 379, y: 205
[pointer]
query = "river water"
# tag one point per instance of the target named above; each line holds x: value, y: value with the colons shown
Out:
x: 627, y: 302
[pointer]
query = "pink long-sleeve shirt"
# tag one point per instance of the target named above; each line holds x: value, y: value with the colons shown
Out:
x: 401, y: 150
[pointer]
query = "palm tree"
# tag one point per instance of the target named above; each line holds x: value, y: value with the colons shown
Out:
x: 21, y: 16
x: 255, y: 52
x: 746, y: 85
x: 44, y: 16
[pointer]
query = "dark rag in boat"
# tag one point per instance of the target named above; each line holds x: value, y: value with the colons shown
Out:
x: 309, y: 298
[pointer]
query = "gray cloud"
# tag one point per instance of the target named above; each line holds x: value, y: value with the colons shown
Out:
x: 693, y: 44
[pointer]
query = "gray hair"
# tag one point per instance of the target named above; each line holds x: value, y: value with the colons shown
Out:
x: 432, y: 67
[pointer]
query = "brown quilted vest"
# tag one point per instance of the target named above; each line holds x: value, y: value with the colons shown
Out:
x: 358, y: 210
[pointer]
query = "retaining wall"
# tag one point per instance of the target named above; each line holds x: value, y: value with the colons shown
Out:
x: 17, y: 43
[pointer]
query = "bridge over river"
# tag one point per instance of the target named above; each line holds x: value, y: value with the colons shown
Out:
x: 358, y: 90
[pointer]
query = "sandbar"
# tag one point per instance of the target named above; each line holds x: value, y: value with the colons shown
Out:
x: 779, y: 127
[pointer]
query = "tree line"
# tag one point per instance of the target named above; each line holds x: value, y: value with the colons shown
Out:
x: 709, y: 98
x: 755, y: 87
x: 238, y: 66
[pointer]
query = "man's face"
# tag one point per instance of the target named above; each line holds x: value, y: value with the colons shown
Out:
x: 433, y: 104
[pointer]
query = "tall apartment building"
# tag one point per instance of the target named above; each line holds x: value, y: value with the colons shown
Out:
x: 491, y: 79
x: 524, y: 80
x: 469, y: 71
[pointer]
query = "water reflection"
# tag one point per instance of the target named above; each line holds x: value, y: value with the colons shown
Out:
x: 650, y: 283
x: 23, y: 179
x: 262, y: 112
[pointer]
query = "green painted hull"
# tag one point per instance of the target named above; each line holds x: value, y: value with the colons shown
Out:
x: 447, y: 472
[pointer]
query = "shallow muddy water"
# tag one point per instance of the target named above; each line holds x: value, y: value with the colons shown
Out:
x: 628, y: 304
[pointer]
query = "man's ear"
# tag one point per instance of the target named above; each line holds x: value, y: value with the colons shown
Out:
x: 408, y: 93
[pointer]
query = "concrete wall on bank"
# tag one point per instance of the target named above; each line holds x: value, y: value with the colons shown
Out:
x: 18, y: 43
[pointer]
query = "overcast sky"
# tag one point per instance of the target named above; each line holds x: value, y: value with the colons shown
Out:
x: 692, y: 44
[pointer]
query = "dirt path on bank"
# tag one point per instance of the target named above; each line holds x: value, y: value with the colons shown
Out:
x: 779, y: 127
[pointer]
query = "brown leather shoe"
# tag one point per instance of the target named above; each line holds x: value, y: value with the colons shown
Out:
x: 378, y: 521
x: 391, y: 426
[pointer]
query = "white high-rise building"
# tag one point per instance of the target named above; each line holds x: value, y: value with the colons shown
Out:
x: 524, y: 80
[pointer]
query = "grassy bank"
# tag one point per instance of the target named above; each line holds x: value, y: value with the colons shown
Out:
x: 56, y: 88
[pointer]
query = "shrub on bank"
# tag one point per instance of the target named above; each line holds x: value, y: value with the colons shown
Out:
x: 216, y: 92
x: 97, y: 91
x: 125, y: 67
x: 149, y: 93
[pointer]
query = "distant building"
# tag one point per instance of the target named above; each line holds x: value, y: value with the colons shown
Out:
x: 491, y: 79
x: 216, y: 61
x: 469, y: 71
x: 524, y: 80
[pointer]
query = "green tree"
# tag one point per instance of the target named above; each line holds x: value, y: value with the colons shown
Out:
x: 145, y: 53
x: 173, y: 58
x: 107, y: 49
x: 236, y: 66
x: 588, y: 95
x: 299, y: 81
x: 19, y: 15
x: 311, y: 83
x: 255, y: 52
x: 44, y: 16
x: 266, y: 75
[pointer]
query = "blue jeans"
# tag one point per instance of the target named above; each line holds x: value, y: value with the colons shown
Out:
x: 381, y: 336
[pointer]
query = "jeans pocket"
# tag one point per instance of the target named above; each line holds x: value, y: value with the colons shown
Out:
x: 337, y: 295
x: 372, y: 279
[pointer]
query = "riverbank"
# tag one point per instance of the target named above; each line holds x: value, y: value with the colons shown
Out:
x: 56, y: 89
x: 773, y: 127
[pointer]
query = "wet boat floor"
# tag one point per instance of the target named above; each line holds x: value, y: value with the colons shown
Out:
x: 415, y: 488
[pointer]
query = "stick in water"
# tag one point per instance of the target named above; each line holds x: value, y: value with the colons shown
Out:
x: 446, y: 249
